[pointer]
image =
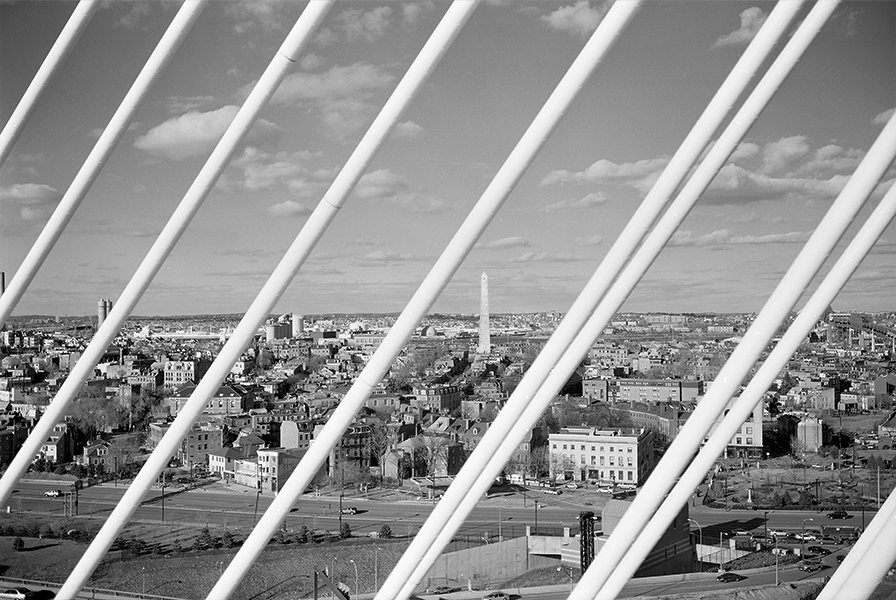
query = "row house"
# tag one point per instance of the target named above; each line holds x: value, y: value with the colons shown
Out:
x: 438, y: 398
x: 747, y: 441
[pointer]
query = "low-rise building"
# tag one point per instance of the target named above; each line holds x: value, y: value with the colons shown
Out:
x: 603, y: 455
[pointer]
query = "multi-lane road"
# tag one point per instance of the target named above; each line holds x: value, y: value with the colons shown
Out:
x: 239, y: 507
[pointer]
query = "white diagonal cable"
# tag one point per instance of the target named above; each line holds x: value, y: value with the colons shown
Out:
x: 869, y: 560
x: 456, y: 250
x: 67, y: 39
x: 509, y: 428
x: 261, y: 93
x: 97, y: 158
x: 776, y: 309
x: 413, y: 81
x: 809, y: 315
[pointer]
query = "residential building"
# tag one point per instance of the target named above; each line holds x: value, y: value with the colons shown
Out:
x: 747, y: 442
x: 608, y: 455
x: 656, y: 391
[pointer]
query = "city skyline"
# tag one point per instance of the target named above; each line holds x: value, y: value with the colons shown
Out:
x: 556, y: 225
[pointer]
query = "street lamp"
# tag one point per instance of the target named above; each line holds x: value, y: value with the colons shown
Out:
x: 536, y: 519
x: 357, y: 589
x: 803, y: 536
x: 700, y: 530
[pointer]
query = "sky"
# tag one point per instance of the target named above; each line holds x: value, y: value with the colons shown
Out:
x: 556, y: 225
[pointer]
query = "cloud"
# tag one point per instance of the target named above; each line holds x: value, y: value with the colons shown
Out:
x: 751, y: 21
x: 134, y: 13
x: 408, y: 129
x: 368, y: 25
x: 744, y: 151
x: 256, y: 170
x: 593, y: 240
x: 412, y: 11
x: 182, y: 104
x: 35, y: 201
x: 343, y: 96
x: 606, y: 171
x: 778, y: 156
x: 832, y: 159
x: 734, y: 184
x: 288, y: 208
x: 508, y: 242
x: 579, y: 19
x: 337, y: 83
x: 545, y: 257
x: 884, y: 117
x: 723, y: 237
x: 386, y: 257
x: 589, y: 201
x: 248, y: 14
x: 381, y: 183
x: 196, y: 133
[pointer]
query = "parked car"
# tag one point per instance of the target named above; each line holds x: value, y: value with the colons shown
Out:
x: 839, y: 514
x: 53, y: 493
x: 571, y: 486
x: 778, y: 533
x: 811, y: 566
x: 552, y: 491
x: 805, y: 537
x: 349, y: 510
x: 442, y: 589
x: 818, y: 550
x: 740, y: 532
x: 730, y: 577
x: 499, y: 595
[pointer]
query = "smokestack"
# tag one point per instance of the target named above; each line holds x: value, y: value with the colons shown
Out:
x: 100, y: 312
x: 485, y: 343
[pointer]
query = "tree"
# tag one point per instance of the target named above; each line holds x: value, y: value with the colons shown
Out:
x: 385, y: 531
x: 380, y: 441
x: 18, y: 544
x: 227, y: 539
x: 345, y: 531
x: 204, y: 540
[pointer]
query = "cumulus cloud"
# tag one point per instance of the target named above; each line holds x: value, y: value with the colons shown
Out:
x: 579, y: 19
x: 366, y: 25
x: 884, y: 117
x: 34, y: 201
x: 343, y: 96
x: 248, y: 14
x: 589, y: 201
x: 734, y: 184
x: 381, y: 183
x: 751, y: 21
x: 779, y: 155
x: 196, y: 133
x: 288, y: 208
x: 508, y: 242
x: 255, y: 170
x: 412, y: 11
x: 723, y: 237
x: 605, y: 171
x: 744, y: 151
x: 408, y: 129
x: 334, y: 84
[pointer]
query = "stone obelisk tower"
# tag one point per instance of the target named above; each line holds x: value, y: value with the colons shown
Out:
x: 485, y: 343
